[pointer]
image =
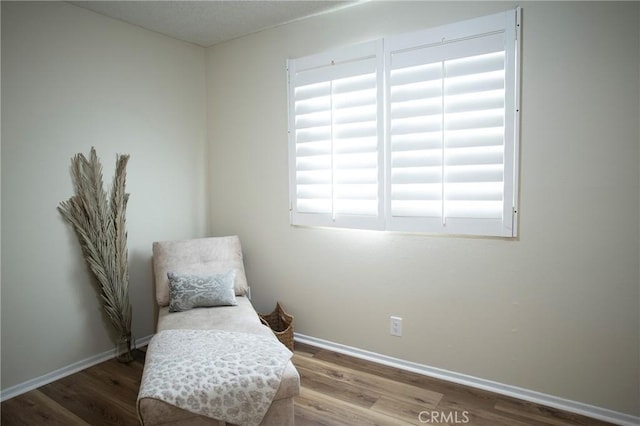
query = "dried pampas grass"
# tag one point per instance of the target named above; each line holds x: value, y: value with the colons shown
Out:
x: 99, y: 222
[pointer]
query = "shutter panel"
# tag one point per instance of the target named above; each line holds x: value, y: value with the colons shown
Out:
x: 474, y: 93
x: 313, y: 148
x: 450, y: 135
x: 415, y: 137
x: 335, y: 134
x: 355, y: 145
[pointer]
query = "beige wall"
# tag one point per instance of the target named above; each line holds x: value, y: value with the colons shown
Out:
x: 72, y: 79
x: 554, y: 311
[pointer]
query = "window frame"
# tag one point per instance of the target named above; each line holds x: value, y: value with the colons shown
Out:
x: 507, y: 23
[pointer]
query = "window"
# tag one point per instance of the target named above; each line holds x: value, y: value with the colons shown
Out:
x: 335, y: 144
x: 417, y: 132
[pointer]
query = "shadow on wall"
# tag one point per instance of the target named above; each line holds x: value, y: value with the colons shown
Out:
x: 142, y: 293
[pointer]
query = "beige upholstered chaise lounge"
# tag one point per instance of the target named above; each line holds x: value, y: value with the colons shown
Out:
x: 201, y: 256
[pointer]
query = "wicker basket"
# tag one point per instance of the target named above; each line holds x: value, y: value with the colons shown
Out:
x: 281, y: 323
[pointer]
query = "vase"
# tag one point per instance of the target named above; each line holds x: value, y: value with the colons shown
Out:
x: 124, y: 348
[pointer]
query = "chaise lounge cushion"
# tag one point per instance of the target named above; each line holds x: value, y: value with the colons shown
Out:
x: 197, y: 256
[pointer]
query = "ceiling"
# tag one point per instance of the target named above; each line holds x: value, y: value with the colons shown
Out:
x: 206, y: 23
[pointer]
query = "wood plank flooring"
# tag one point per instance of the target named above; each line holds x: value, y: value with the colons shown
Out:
x: 341, y: 390
x: 104, y: 394
x: 336, y: 390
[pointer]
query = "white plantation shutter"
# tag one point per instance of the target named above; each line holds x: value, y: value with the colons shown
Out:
x: 415, y: 136
x: 451, y: 133
x: 474, y: 96
x: 416, y: 132
x: 336, y: 138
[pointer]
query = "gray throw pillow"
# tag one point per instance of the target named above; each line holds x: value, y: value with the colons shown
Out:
x: 187, y: 291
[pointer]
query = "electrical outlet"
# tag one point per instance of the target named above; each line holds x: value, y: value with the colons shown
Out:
x: 396, y: 326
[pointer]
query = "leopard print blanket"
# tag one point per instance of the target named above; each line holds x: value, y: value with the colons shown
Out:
x: 223, y: 375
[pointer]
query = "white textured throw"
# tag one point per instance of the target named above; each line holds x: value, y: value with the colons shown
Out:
x: 219, y: 374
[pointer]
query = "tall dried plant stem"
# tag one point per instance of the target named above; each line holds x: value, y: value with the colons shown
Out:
x: 99, y: 223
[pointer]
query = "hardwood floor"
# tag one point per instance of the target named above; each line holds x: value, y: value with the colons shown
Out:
x: 104, y: 394
x: 341, y: 390
x: 336, y: 390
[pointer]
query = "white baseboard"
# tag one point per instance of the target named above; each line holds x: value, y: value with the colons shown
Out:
x: 611, y: 416
x: 64, y: 372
